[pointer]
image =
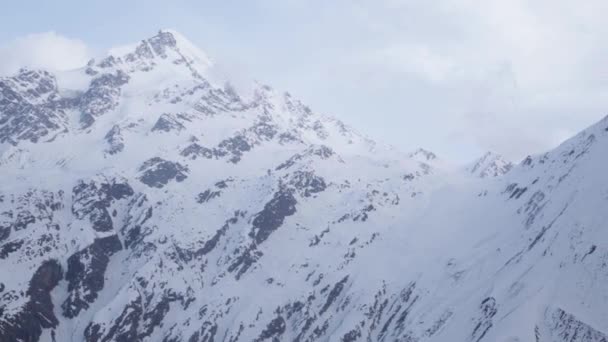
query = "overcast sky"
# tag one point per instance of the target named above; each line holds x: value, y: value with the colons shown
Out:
x: 458, y: 77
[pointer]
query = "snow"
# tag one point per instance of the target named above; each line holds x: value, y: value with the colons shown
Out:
x: 456, y: 237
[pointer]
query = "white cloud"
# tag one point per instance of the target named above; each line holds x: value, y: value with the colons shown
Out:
x: 417, y: 60
x: 513, y: 76
x: 47, y: 50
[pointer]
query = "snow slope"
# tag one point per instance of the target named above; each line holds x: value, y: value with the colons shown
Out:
x: 144, y: 198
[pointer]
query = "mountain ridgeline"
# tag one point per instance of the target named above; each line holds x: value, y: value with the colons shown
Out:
x: 147, y: 197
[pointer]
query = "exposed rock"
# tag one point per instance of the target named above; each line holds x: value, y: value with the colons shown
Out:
x: 235, y: 147
x: 30, y: 108
x: 101, y: 97
x: 37, y: 314
x: 115, y: 140
x: 307, y: 183
x: 93, y: 199
x: 273, y: 330
x: 488, y: 308
x: 565, y: 327
x: 157, y: 172
x: 490, y: 165
x: 86, y: 273
x: 195, y: 150
x: 268, y: 220
x: 170, y: 122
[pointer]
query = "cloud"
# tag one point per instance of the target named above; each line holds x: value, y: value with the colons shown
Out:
x: 47, y: 50
x: 514, y: 76
x: 417, y: 60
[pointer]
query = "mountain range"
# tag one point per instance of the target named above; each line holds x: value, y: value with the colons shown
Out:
x: 148, y: 197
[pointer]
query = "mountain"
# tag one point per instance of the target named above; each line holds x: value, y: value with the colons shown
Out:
x: 146, y: 198
x: 490, y: 165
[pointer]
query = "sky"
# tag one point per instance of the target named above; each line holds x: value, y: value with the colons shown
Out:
x: 458, y: 77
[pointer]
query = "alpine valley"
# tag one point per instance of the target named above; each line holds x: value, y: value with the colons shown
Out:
x: 147, y: 197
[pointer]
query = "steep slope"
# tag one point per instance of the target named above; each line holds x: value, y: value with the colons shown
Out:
x: 144, y: 198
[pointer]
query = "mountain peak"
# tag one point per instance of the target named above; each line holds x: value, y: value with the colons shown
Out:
x: 167, y: 47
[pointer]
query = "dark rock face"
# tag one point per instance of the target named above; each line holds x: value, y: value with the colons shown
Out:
x: 101, y: 97
x: 139, y: 317
x: 86, y: 272
x: 157, y: 172
x: 361, y: 215
x: 323, y: 152
x: 135, y: 228
x: 214, y: 240
x: 488, y: 309
x: 268, y: 220
x: 206, y: 333
x: 162, y: 41
x: 115, y: 140
x: 195, y: 150
x: 124, y: 328
x: 207, y: 195
x: 169, y: 122
x: 352, y: 335
x: 307, y: 183
x: 9, y: 248
x: 565, y: 327
x: 217, y: 100
x: 235, y: 147
x: 35, y: 208
x: 265, y: 222
x: 5, y: 232
x: 93, y: 199
x: 334, y: 293
x: 289, y: 137
x: 38, y: 313
x: 273, y: 330
x: 264, y: 131
x: 32, y: 114
x: 245, y: 257
x: 210, y: 194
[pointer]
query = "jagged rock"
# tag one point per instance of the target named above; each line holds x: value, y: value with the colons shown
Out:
x: 30, y: 107
x: 234, y: 147
x: 92, y: 200
x: 195, y: 150
x: 488, y: 310
x: 37, y: 313
x: 565, y: 327
x: 169, y: 122
x: 490, y: 165
x: 115, y: 140
x: 101, y: 97
x: 306, y: 183
x: 157, y: 172
x: 282, y: 205
x: 86, y: 273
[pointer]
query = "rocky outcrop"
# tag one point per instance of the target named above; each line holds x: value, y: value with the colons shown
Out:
x: 38, y: 313
x: 157, y: 172
x: 93, y: 199
x: 86, y: 274
x: 31, y: 108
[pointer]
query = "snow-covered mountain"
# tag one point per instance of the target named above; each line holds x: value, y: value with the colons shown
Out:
x: 146, y: 198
